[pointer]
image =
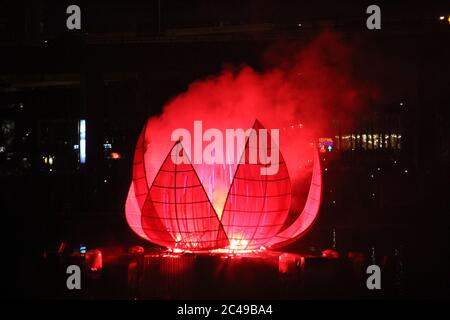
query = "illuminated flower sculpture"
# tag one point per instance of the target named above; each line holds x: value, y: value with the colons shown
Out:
x: 233, y: 207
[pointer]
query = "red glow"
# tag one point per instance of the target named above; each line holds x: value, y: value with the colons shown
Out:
x: 94, y: 260
x: 330, y: 253
x: 202, y: 206
x: 257, y: 205
x: 287, y: 263
x: 115, y: 155
x: 176, y: 211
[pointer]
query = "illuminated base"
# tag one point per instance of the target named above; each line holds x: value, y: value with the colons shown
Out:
x: 237, y: 275
x: 263, y: 274
x: 234, y: 249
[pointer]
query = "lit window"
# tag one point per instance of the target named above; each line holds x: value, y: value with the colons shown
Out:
x: 394, y: 141
x: 375, y: 141
x: 369, y: 142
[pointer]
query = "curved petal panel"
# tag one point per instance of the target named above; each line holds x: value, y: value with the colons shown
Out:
x: 139, y: 188
x: 309, y: 213
x: 257, y: 204
x: 177, y: 212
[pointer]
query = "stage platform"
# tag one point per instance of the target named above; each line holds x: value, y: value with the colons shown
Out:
x: 265, y: 275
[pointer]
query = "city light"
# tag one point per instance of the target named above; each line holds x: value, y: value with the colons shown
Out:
x: 82, y: 130
x: 115, y: 155
x: 326, y: 145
